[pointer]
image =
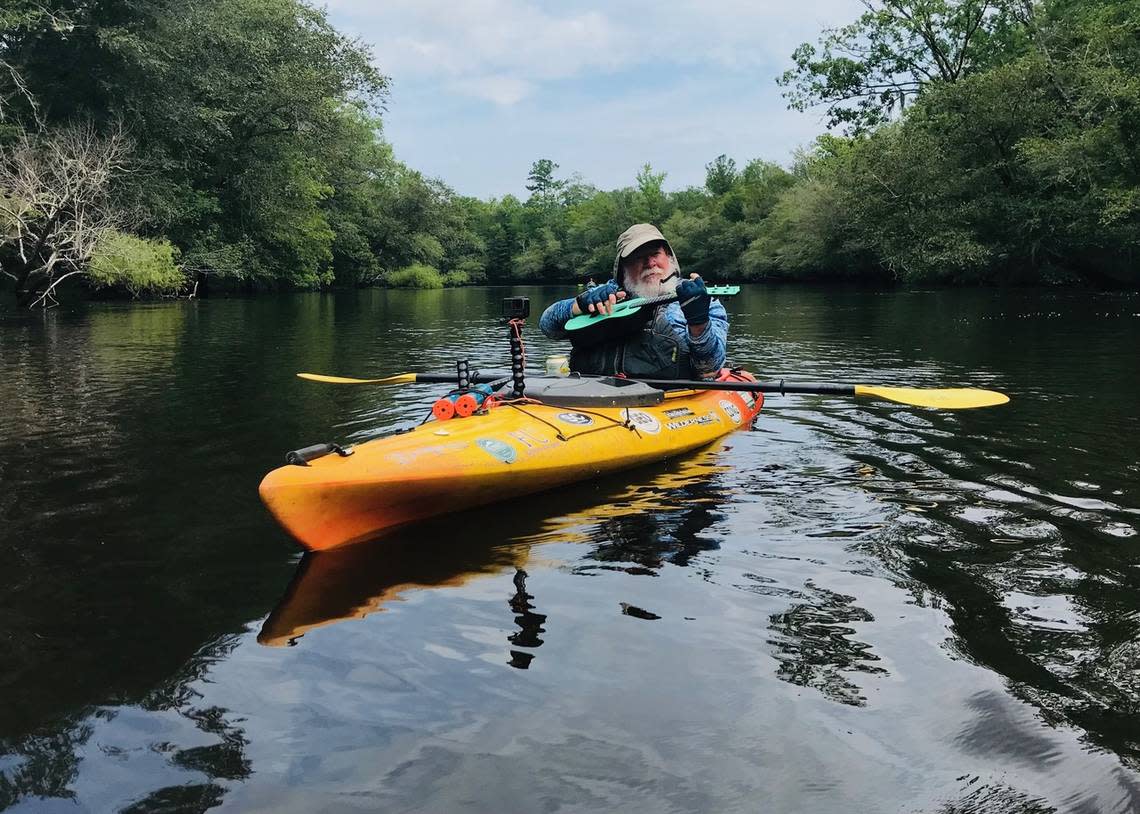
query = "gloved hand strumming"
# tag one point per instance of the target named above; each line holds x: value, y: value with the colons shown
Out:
x: 694, y: 299
x: 595, y: 295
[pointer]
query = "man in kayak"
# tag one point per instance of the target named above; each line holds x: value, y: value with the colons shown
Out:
x: 683, y: 339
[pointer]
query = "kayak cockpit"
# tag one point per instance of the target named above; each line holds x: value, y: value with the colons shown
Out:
x: 581, y: 391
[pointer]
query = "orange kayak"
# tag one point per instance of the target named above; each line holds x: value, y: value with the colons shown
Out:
x: 567, y: 430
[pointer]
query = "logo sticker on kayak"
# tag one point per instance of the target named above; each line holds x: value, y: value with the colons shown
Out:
x: 708, y: 418
x: 577, y: 419
x: 730, y: 410
x: 501, y: 450
x: 643, y: 421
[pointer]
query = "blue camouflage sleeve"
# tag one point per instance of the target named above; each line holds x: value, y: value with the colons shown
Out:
x: 707, y: 352
x: 555, y: 317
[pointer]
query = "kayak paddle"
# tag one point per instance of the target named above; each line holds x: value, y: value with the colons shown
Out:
x: 956, y: 398
x: 401, y: 378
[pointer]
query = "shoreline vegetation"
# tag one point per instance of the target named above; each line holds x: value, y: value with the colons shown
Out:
x: 971, y: 143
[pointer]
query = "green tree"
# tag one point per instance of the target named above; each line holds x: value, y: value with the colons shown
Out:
x: 720, y: 175
x: 136, y: 264
x: 542, y: 184
x: 593, y: 227
x: 1026, y: 172
x: 239, y: 153
x: 761, y: 184
x: 416, y: 275
x: 577, y: 190
x: 650, y: 204
x: 869, y: 70
x: 20, y: 21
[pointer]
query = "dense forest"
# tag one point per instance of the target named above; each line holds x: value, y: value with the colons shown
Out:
x: 152, y: 146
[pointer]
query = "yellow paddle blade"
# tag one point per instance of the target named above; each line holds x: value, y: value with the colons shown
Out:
x: 962, y: 398
x: 399, y: 378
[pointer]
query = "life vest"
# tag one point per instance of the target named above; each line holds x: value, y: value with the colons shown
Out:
x: 650, y: 350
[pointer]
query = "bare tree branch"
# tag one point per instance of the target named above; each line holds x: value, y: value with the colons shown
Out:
x: 55, y: 204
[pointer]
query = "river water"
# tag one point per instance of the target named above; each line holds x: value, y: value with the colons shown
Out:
x: 855, y: 606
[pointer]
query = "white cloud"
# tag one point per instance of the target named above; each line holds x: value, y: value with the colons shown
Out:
x: 421, y: 38
x: 502, y: 90
x: 736, y: 34
x: 486, y: 43
x: 481, y: 88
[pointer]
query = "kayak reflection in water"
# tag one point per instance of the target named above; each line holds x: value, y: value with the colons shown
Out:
x: 685, y: 338
x: 636, y: 528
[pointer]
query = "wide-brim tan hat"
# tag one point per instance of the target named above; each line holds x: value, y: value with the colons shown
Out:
x: 633, y: 239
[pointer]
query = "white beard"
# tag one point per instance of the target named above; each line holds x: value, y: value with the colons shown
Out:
x: 656, y: 287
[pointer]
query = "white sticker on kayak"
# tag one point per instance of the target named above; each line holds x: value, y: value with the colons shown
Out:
x: 527, y: 440
x: 730, y: 410
x: 577, y: 419
x: 444, y: 448
x: 643, y: 421
x: 749, y: 398
x: 501, y: 450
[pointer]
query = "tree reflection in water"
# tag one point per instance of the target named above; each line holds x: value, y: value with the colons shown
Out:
x: 814, y: 646
x: 44, y: 766
x: 814, y: 643
x: 1033, y: 590
x: 657, y: 525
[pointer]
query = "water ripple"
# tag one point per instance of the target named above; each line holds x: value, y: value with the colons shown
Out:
x: 855, y: 607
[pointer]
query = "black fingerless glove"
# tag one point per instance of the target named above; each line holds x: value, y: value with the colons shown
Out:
x: 694, y: 299
x: 592, y: 296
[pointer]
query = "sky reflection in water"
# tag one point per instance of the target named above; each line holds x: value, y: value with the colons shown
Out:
x: 855, y: 607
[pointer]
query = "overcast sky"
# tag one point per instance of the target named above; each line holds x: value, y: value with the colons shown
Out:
x: 483, y: 88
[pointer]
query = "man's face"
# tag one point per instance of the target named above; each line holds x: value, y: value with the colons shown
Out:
x: 646, y: 269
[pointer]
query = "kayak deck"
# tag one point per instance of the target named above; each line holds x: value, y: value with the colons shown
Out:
x: 516, y: 448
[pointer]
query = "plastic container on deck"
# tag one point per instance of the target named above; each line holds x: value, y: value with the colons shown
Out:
x: 557, y: 366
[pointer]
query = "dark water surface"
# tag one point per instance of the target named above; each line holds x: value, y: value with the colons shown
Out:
x: 855, y: 607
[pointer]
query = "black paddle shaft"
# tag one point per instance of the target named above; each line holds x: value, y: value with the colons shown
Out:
x: 450, y: 378
x: 782, y: 387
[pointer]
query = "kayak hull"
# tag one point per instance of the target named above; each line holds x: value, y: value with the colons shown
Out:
x: 511, y: 450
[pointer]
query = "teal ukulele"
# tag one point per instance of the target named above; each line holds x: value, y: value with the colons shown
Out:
x: 627, y: 308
